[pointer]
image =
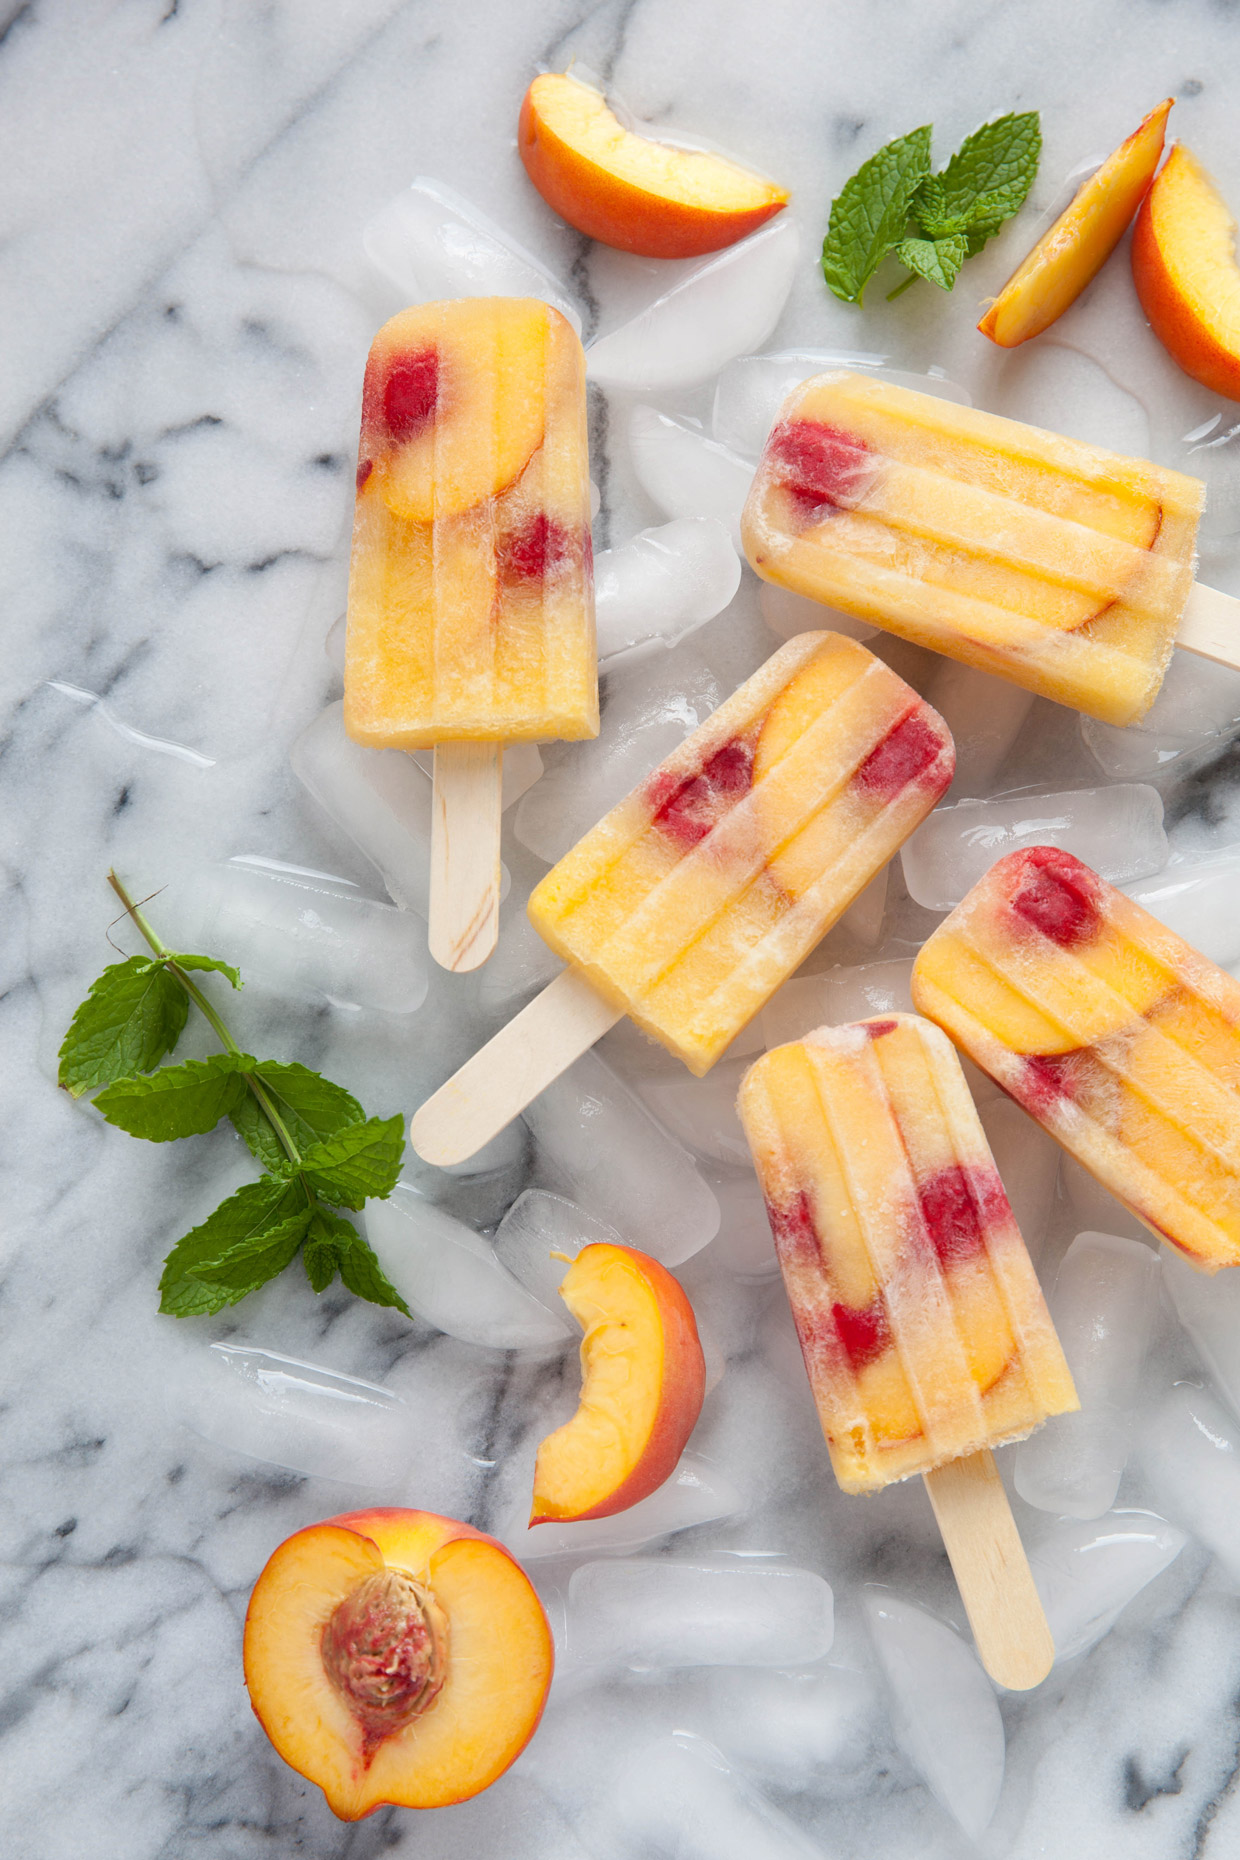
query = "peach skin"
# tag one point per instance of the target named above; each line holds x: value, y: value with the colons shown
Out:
x: 1077, y: 246
x: 627, y: 190
x: 1184, y: 267
x: 396, y: 1657
x: 642, y: 1383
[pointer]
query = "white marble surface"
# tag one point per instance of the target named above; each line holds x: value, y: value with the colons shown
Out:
x: 186, y: 311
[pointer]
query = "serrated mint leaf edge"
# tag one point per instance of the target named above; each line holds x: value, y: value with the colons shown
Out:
x: 878, y: 195
x: 164, y: 1087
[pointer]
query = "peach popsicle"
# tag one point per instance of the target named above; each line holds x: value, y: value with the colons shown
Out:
x: 924, y: 1331
x: 471, y: 619
x: 1119, y: 1038
x: 1059, y: 566
x: 690, y: 902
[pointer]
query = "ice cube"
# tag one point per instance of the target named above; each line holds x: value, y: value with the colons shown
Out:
x: 945, y: 1711
x: 835, y: 996
x: 379, y: 797
x: 649, y: 707
x: 521, y: 965
x: 789, y: 1726
x: 865, y: 915
x: 1028, y: 1164
x: 751, y: 390
x: 644, y: 1612
x: 788, y: 614
x: 702, y: 1112
x: 1209, y: 1309
x: 685, y: 473
x: 679, y: 1797
x: 613, y: 1158
x: 696, y: 1493
x: 744, y: 1244
x: 450, y: 1276
x: 663, y: 582
x: 1188, y: 1455
x: 1053, y: 386
x: 985, y: 715
x: 707, y: 311
x: 294, y: 1414
x: 539, y: 1224
x: 1087, y: 1573
x: 431, y: 242
x: 522, y: 766
x: 1193, y: 718
x: 1213, y: 454
x: 1198, y: 902
x: 1116, y: 830
x: 1102, y: 1306
x: 1094, y: 1207
x: 304, y: 933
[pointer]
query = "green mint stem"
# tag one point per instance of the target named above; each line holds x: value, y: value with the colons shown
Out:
x: 218, y: 1027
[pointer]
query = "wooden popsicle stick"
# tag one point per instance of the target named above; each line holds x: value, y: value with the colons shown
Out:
x: 1211, y: 626
x: 992, y: 1571
x: 495, y: 1086
x: 465, y: 868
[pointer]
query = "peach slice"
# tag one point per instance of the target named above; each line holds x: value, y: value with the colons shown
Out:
x: 453, y: 407
x: 396, y: 1657
x: 643, y: 1379
x: 1066, y: 258
x: 626, y: 190
x: 1184, y: 267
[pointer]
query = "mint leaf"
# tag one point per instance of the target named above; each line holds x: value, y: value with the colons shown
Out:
x: 937, y: 260
x: 249, y: 1264
x: 207, y: 962
x: 321, y: 1255
x: 247, y: 1219
x: 134, y: 1013
x: 357, y: 1162
x: 334, y: 1245
x: 869, y: 216
x: 985, y: 181
x: 311, y: 1107
x: 177, y: 1101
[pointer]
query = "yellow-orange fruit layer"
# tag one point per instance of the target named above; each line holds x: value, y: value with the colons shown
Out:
x: 692, y: 900
x: 1184, y: 267
x: 471, y: 605
x: 924, y: 1330
x: 1056, y: 565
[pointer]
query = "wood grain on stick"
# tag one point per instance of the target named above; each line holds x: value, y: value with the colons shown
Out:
x: 465, y: 865
x: 495, y: 1086
x: 1211, y: 626
x: 992, y: 1571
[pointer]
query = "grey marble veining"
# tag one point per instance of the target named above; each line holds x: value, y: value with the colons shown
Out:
x: 186, y: 311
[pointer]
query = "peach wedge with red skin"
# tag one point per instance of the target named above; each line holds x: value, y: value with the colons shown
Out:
x: 397, y: 1657
x: 1077, y: 246
x: 626, y: 190
x: 1184, y: 267
x: 643, y: 1379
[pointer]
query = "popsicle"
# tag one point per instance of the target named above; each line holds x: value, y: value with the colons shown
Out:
x: 924, y: 1330
x: 471, y: 617
x: 691, y: 901
x: 1059, y: 566
x: 1119, y: 1038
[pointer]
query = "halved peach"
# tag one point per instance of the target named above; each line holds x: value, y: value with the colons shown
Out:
x: 626, y: 190
x: 642, y: 1382
x: 453, y: 404
x: 1066, y: 258
x: 1184, y: 267
x: 397, y: 1657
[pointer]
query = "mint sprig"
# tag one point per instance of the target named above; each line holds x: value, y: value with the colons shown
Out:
x: 318, y: 1148
x: 952, y: 213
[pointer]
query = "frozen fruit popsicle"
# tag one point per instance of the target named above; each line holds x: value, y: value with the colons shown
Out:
x: 471, y: 619
x: 1059, y: 566
x: 924, y: 1331
x: 693, y: 899
x: 1108, y: 1028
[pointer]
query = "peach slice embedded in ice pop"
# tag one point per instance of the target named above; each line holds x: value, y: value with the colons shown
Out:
x: 923, y: 1329
x: 698, y: 894
x: 1051, y: 563
x: 470, y: 591
x: 1118, y: 1037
